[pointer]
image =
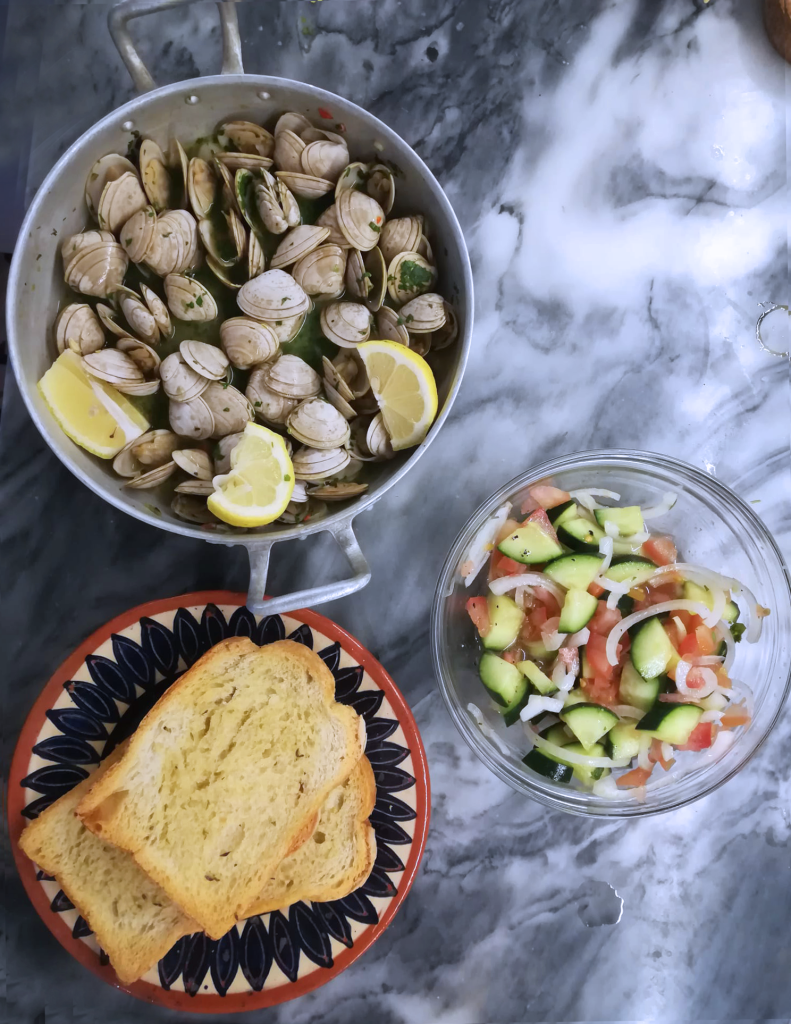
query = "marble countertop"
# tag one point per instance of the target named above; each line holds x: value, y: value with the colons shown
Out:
x: 620, y: 171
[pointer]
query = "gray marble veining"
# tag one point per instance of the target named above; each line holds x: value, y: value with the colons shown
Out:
x: 620, y: 170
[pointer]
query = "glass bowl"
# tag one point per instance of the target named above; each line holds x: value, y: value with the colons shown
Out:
x: 712, y: 527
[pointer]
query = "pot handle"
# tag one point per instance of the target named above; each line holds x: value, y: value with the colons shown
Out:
x: 118, y: 20
x: 259, y: 568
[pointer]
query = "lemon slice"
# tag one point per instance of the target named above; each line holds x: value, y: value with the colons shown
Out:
x: 260, y: 483
x: 404, y: 387
x: 92, y: 413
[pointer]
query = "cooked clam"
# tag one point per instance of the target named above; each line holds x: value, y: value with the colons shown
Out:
x: 248, y: 137
x: 400, y: 235
x: 291, y: 377
x: 107, y: 168
x: 244, y: 161
x: 321, y: 272
x: 273, y: 295
x: 229, y: 407
x: 202, y: 186
x: 449, y: 332
x: 144, y: 356
x: 256, y: 260
x: 360, y: 218
x: 194, y: 461
x: 308, y: 186
x: 192, y: 509
x: 192, y: 419
x: 329, y: 219
x: 366, y: 277
x: 346, y: 324
x: 154, y: 477
x: 424, y: 248
x: 381, y: 186
x: 223, y: 450
x: 137, y: 233
x: 378, y: 440
x: 319, y: 464
x: 286, y: 330
x: 155, y: 447
x: 79, y: 329
x: 207, y: 360
x: 83, y: 240
x: 390, y: 326
x: 180, y: 382
x: 125, y: 463
x: 226, y: 243
x: 158, y: 310
x: 288, y: 151
x: 298, y: 243
x: 356, y: 279
x: 96, y: 269
x: 112, y: 366
x: 354, y: 177
x: 334, y: 380
x: 339, y: 401
x: 420, y: 343
x: 174, y: 245
x: 324, y: 159
x: 267, y: 404
x: 180, y: 162
x: 318, y: 424
x: 350, y: 366
x: 408, y: 276
x: 119, y: 200
x: 199, y: 488
x: 275, y: 203
x: 107, y: 315
x: 139, y: 317
x: 155, y: 175
x: 293, y: 122
x: 313, y: 134
x: 424, y: 314
x: 339, y: 491
x: 247, y: 342
x: 188, y: 299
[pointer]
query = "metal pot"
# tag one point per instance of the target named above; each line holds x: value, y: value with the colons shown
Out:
x: 35, y: 286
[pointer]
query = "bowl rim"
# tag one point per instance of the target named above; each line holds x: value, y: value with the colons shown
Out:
x: 574, y: 801
x: 466, y: 303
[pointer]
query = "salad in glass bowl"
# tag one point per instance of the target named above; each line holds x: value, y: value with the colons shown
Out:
x: 606, y: 656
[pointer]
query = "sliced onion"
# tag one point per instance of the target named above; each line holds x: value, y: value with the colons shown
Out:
x: 611, y: 530
x: 723, y: 741
x: 606, y: 549
x: 612, y: 599
x: 482, y: 544
x: 696, y: 692
x: 578, y: 639
x: 636, y: 538
x: 667, y: 752
x: 569, y: 756
x: 643, y: 760
x: 537, y: 705
x: 621, y: 627
x: 711, y: 716
x: 724, y: 633
x: 477, y: 716
x: 528, y: 579
x: 627, y: 711
x: 682, y: 629
x: 585, y: 496
x: 520, y: 596
x: 606, y: 788
x: 669, y: 498
x: 707, y: 660
x: 547, y: 722
x: 552, y: 640
x: 562, y: 678
x: 615, y: 588
x: 742, y: 692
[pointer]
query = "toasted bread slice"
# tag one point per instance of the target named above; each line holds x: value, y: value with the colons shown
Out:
x: 134, y: 921
x: 337, y: 858
x: 224, y: 774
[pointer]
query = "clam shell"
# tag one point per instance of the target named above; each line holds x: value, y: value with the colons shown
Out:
x: 424, y: 314
x: 231, y: 276
x: 188, y: 299
x: 408, y: 276
x: 158, y: 309
x: 314, y: 464
x: 247, y: 342
x: 400, y: 235
x: 202, y: 186
x: 291, y: 377
x: 286, y: 330
x: 313, y: 134
x: 192, y: 419
x: 357, y: 281
x: 420, y: 344
x: 298, y: 243
x: 112, y: 366
x: 321, y: 272
x: 338, y: 492
x: 273, y: 295
x: 334, y: 380
x: 350, y: 366
x: 293, y: 122
x: 449, y: 332
x: 137, y: 233
x: 125, y: 463
x: 227, y: 244
x: 223, y: 450
x: 381, y: 186
x: 107, y: 315
x: 360, y: 218
x: 378, y: 440
x: 180, y: 382
x: 138, y: 316
x: 174, y: 244
x: 155, y: 175
x: 390, y: 326
x: 144, y: 356
x: 354, y: 176
x: 207, y: 360
x: 256, y: 260
x: 308, y: 186
x: 139, y: 388
x: 119, y: 200
x: 192, y: 509
x: 97, y: 269
x: 324, y: 159
x: 249, y: 137
x: 227, y: 189
x: 229, y: 407
x: 200, y: 488
x: 155, y: 447
x: 194, y: 461
x: 179, y: 160
x: 318, y: 424
x: 82, y: 240
x: 154, y: 477
x: 329, y: 219
x: 374, y: 264
x: 277, y: 207
x: 107, y: 168
x: 288, y: 150
x: 346, y: 324
x: 244, y: 161
x: 339, y: 401
x: 424, y: 248
x: 79, y: 329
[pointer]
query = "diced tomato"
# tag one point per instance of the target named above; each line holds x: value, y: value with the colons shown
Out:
x: 596, y: 650
x: 655, y: 755
x: 570, y: 658
x: 546, y: 496
x: 541, y: 519
x: 636, y: 777
x: 735, y: 716
x: 701, y: 737
x: 601, y: 690
x: 595, y: 590
x: 696, y: 678
x: 548, y: 599
x: 604, y: 619
x: 623, y: 645
x: 478, y: 611
x: 502, y: 565
x: 723, y: 679
x: 510, y: 656
x: 661, y: 550
x: 507, y: 529
x: 698, y: 644
x: 671, y: 632
x: 538, y: 616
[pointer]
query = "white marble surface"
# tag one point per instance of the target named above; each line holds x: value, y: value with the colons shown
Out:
x: 620, y: 170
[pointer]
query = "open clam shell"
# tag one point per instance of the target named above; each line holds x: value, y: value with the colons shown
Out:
x: 192, y: 509
x: 137, y: 233
x: 80, y: 241
x: 232, y: 277
x: 424, y: 314
x: 333, y: 379
x: 308, y: 186
x: 424, y: 248
x: 313, y: 464
x: 267, y: 404
x: 402, y: 234
x: 158, y: 310
x: 244, y: 161
x: 420, y: 344
x: 338, y: 492
x: 350, y: 366
x: 202, y: 186
x: 314, y: 134
x: 180, y: 162
x: 119, y: 200
x: 325, y: 159
x: 286, y: 330
x: 298, y: 243
x: 449, y: 332
x: 381, y: 186
x: 188, y: 299
x: 390, y: 326
x: 125, y: 463
x: 277, y: 207
x: 225, y: 241
x: 144, y: 356
x: 199, y: 488
x: 289, y: 148
x: 229, y: 407
x: 107, y: 168
x: 97, y: 269
x: 79, y: 329
x: 153, y: 478
x: 337, y: 399
x: 353, y: 177
x: 139, y: 317
x: 155, y: 447
x: 356, y: 279
x: 293, y: 122
x: 378, y: 440
x: 206, y: 360
x: 346, y: 324
x: 113, y: 366
x: 256, y: 260
x: 248, y: 137
x: 273, y: 295
x: 291, y: 377
x: 322, y: 271
x: 180, y: 381
x: 360, y: 218
x: 192, y: 419
x: 376, y: 272
x: 247, y: 343
x: 194, y: 461
x: 223, y: 451
x: 318, y: 424
x: 329, y: 219
x: 174, y: 245
x: 408, y: 276
x: 107, y: 315
x: 155, y: 175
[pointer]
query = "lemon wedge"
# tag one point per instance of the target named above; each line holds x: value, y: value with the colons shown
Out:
x: 92, y: 413
x: 404, y: 387
x: 260, y: 483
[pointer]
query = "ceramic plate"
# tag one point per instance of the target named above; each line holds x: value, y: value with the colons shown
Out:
x: 98, y: 697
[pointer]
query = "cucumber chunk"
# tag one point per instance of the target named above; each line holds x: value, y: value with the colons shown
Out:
x: 671, y: 723
x: 560, y: 513
x: 633, y: 689
x: 505, y: 683
x: 694, y: 592
x: 530, y: 545
x: 588, y: 722
x: 575, y: 697
x: 537, y: 650
x: 584, y: 773
x: 652, y: 651
x: 576, y: 571
x: 580, y: 534
x: 630, y: 569
x: 540, y: 680
x: 505, y: 621
x: 623, y: 741
x: 578, y: 609
x: 731, y: 613
x: 558, y: 734
x: 543, y: 765
x: 629, y: 520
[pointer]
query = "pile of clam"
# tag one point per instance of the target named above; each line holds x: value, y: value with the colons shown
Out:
x: 231, y: 222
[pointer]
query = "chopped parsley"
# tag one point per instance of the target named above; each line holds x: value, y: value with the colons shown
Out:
x: 374, y: 227
x: 287, y: 477
x: 737, y: 631
x: 199, y: 300
x: 414, y: 276
x: 257, y: 405
x: 226, y: 408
